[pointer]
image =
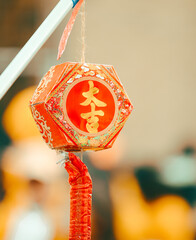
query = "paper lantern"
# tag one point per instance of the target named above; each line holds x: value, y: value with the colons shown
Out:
x: 80, y: 106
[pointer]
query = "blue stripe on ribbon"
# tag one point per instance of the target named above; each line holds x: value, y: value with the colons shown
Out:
x: 75, y: 2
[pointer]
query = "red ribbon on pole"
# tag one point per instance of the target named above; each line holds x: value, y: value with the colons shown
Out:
x: 68, y: 28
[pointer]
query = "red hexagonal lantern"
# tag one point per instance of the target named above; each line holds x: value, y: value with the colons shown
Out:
x: 80, y: 106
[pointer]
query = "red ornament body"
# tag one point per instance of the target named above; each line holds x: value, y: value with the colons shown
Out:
x: 80, y: 107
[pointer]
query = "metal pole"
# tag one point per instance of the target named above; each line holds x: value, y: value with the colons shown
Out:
x: 23, y: 58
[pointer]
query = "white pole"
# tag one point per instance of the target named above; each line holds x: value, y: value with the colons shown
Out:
x: 23, y: 58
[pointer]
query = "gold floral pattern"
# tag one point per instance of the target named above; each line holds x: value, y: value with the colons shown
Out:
x: 94, y: 142
x: 42, y: 126
x: 83, y: 140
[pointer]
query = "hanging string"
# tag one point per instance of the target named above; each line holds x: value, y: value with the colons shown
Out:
x: 82, y: 154
x: 83, y: 27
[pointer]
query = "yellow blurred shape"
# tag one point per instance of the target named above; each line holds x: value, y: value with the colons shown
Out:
x: 131, y: 213
x: 17, y: 119
x: 172, y: 218
x: 168, y: 218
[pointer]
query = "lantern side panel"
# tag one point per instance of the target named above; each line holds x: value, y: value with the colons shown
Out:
x: 50, y: 132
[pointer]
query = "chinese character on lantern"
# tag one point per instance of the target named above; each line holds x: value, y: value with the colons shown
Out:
x: 91, y: 117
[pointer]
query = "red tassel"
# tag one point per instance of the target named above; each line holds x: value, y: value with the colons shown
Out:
x: 80, y: 199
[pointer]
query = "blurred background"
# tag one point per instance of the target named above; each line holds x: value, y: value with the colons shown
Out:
x: 145, y: 187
